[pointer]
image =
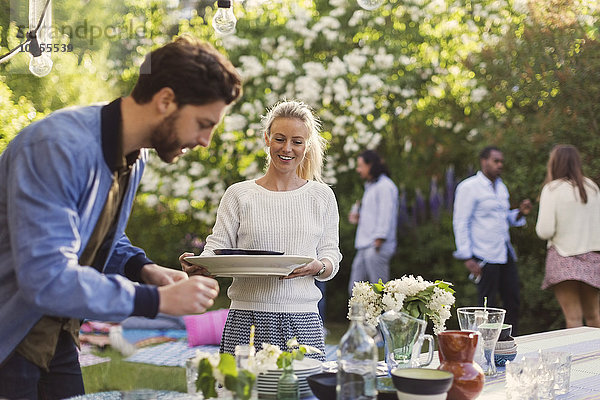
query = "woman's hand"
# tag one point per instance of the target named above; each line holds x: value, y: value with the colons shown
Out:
x: 310, y: 269
x: 190, y: 268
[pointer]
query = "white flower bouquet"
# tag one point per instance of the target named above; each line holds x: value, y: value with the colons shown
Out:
x: 413, y: 295
x: 220, y: 369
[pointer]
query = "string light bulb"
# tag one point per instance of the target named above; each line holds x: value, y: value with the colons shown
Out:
x: 40, y: 66
x: 370, y: 4
x: 224, y: 21
x: 40, y: 44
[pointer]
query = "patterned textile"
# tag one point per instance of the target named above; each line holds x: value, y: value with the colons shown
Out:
x: 583, y: 267
x: 273, y: 328
x: 134, y: 394
x: 87, y: 358
x: 172, y: 354
x: 135, y: 336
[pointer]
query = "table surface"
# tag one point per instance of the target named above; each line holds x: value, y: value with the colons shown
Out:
x: 584, y: 345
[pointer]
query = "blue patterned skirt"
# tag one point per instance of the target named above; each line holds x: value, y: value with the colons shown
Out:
x: 273, y: 328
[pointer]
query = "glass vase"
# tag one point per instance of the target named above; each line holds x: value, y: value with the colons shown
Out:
x: 287, y: 385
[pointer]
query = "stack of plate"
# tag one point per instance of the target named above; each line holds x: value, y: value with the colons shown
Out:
x: 267, y: 383
x: 506, y: 350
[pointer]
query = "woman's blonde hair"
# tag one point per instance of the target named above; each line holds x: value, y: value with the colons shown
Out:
x: 312, y: 165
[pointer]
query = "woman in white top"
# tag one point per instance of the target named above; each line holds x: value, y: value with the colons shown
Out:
x: 569, y: 218
x: 290, y: 210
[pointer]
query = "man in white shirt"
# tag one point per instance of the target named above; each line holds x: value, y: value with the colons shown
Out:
x: 377, y: 219
x: 481, y: 220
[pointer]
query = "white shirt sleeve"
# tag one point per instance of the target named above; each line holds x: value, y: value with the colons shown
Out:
x: 464, y: 206
x: 546, y: 222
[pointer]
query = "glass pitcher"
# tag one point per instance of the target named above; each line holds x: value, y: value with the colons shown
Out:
x: 404, y: 336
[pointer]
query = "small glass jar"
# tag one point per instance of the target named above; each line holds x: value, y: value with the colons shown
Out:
x: 244, y: 353
x: 287, y: 386
x: 191, y: 375
x: 244, y: 359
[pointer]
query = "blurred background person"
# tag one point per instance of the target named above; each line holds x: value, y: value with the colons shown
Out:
x: 377, y: 217
x: 481, y: 220
x: 291, y: 210
x: 569, y: 218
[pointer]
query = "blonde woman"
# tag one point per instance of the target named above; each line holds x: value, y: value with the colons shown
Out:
x: 289, y: 209
x: 569, y: 218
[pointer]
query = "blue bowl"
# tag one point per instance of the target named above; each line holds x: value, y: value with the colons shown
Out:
x: 501, y: 359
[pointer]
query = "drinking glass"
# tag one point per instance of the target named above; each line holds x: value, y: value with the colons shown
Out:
x: 191, y: 374
x: 488, y: 322
x: 519, y: 385
x: 244, y: 355
x: 561, y: 365
x: 541, y: 372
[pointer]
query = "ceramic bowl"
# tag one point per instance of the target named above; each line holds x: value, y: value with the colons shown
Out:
x: 410, y: 396
x: 505, y: 345
x: 501, y: 359
x: 323, y: 386
x: 505, y: 332
x: 421, y: 382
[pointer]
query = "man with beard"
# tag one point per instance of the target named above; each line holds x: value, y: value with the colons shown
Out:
x: 67, y: 184
x: 481, y: 219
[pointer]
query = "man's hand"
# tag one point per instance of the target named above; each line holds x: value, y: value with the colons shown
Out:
x: 473, y: 267
x: 378, y: 244
x: 153, y: 274
x: 525, y: 207
x: 189, y: 296
x: 354, y: 216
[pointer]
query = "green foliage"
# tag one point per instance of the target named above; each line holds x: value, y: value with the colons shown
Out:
x: 14, y: 116
x: 286, y: 358
x: 237, y: 381
x: 427, y: 250
x: 119, y: 374
x: 146, y: 222
x: 426, y: 83
x: 206, y: 382
x: 241, y: 384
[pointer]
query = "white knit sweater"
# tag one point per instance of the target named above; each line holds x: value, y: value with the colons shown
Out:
x: 303, y: 222
x: 569, y: 225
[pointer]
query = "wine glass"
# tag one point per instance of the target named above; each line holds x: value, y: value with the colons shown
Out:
x: 487, y: 321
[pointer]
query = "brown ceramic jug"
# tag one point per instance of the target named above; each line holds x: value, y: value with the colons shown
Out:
x: 456, y: 350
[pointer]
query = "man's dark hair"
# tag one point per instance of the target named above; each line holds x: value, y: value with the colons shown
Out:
x: 196, y: 72
x: 485, y: 153
x: 376, y: 164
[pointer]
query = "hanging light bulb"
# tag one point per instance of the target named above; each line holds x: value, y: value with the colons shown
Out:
x: 40, y: 45
x: 40, y: 66
x: 224, y: 21
x: 370, y: 4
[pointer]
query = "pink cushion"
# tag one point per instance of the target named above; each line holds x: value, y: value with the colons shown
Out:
x: 205, y: 328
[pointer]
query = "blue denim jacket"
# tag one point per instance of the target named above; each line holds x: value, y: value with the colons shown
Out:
x: 53, y: 186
